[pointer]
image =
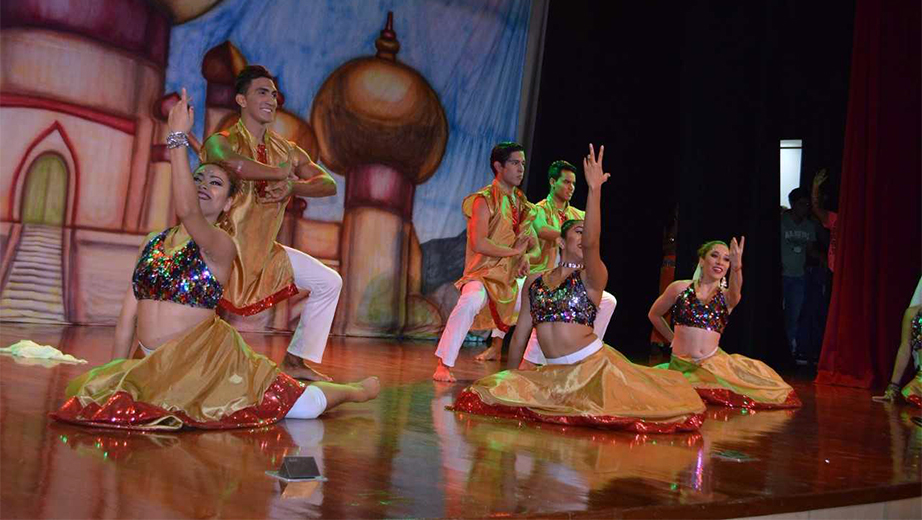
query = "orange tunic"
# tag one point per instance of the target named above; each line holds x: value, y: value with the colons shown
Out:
x: 511, y: 216
x: 262, y: 275
x: 544, y: 256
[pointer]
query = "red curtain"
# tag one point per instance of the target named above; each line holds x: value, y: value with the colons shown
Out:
x: 879, y: 232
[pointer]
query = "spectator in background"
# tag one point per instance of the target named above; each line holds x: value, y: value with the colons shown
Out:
x: 798, y: 239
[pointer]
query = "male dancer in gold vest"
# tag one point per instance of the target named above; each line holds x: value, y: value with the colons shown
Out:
x: 498, y: 237
x: 270, y: 170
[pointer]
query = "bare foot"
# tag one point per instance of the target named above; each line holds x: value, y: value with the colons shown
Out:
x: 443, y: 374
x: 493, y: 352
x: 368, y: 388
x: 299, y: 369
x: 527, y: 365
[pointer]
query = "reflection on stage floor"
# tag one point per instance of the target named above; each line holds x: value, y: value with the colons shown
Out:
x: 405, y: 455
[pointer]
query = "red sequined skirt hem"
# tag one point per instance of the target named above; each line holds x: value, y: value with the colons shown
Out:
x: 468, y: 401
x: 122, y: 412
x: 725, y: 397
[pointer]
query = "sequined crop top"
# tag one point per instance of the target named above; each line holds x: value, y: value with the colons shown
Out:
x: 182, y: 277
x: 915, y: 331
x: 690, y: 312
x: 568, y: 302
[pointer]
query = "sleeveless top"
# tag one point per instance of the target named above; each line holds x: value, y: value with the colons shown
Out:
x: 567, y: 303
x: 182, y: 277
x: 690, y: 312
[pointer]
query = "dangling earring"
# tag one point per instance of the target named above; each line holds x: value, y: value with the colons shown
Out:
x: 723, y: 283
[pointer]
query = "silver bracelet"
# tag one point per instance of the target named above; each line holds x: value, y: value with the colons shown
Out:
x: 176, y: 139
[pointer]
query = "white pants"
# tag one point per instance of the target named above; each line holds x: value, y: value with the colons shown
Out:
x: 607, y: 305
x: 309, y: 405
x: 473, y: 298
x: 325, y: 284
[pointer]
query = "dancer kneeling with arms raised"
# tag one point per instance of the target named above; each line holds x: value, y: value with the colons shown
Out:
x: 585, y: 382
x: 701, y: 309
x: 198, y: 371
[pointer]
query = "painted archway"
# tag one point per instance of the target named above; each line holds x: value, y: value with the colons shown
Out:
x: 44, y: 196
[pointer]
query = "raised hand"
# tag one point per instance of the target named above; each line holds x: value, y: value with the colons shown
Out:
x: 820, y: 177
x: 592, y: 168
x: 736, y: 252
x: 182, y: 115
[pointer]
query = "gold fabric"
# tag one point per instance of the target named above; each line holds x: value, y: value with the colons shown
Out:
x: 544, y: 256
x: 497, y: 275
x: 603, y: 384
x: 912, y: 392
x: 261, y: 270
x: 739, y: 374
x: 208, y: 373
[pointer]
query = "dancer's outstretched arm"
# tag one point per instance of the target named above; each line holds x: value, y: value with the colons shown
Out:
x: 522, y: 328
x: 735, y: 289
x: 902, y: 356
x: 215, y: 243
x: 595, y: 270
x: 219, y: 151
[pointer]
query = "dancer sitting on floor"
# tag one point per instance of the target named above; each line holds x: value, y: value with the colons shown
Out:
x: 584, y: 382
x: 198, y: 371
x: 910, y: 346
x: 701, y: 308
x: 550, y: 214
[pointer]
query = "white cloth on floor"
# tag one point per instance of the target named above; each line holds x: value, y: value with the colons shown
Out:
x: 29, y: 349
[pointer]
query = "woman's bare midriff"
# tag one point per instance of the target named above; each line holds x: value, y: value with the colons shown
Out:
x: 562, y: 339
x: 692, y: 342
x: 160, y: 322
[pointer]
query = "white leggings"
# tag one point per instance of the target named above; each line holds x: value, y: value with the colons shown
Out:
x: 310, y: 405
x: 472, y: 300
x: 325, y: 284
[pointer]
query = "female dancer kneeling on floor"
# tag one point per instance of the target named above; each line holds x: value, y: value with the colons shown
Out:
x: 584, y: 382
x: 701, y: 308
x: 198, y: 371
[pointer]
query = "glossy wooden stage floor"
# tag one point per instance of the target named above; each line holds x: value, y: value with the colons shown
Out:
x: 404, y: 455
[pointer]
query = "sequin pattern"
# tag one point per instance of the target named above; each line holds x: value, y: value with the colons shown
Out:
x: 691, y: 312
x: 568, y: 302
x: 182, y: 277
x: 915, y: 333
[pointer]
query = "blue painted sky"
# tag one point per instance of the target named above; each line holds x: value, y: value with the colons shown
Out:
x: 472, y: 52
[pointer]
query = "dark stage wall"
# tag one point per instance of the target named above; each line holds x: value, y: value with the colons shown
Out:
x: 691, y: 100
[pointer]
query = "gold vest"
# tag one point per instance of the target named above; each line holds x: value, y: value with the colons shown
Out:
x: 262, y: 275
x: 511, y: 216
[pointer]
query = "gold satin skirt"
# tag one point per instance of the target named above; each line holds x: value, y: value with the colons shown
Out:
x: 912, y: 392
x: 208, y: 378
x: 603, y: 390
x: 735, y: 380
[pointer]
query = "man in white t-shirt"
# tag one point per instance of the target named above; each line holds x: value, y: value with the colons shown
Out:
x: 798, y: 239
